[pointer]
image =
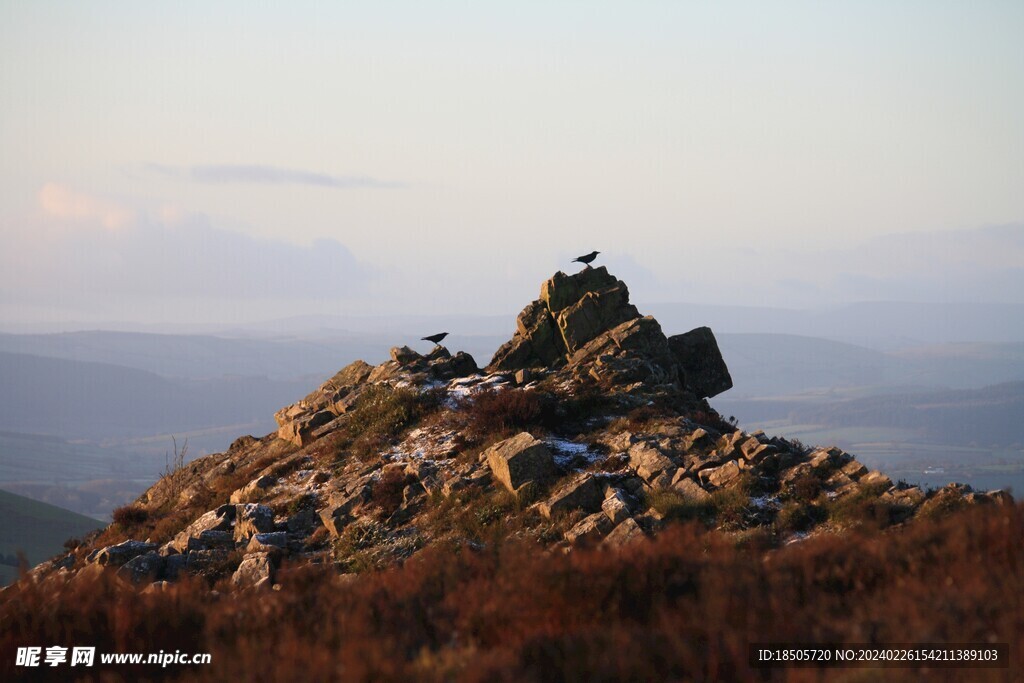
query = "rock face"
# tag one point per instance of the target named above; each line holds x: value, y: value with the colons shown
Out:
x: 302, y: 422
x: 582, y: 493
x: 519, y: 461
x: 701, y: 363
x: 586, y: 321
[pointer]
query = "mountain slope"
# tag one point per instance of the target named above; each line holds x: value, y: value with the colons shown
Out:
x: 37, y: 529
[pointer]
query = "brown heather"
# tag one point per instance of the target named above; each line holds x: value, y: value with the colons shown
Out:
x: 680, y: 607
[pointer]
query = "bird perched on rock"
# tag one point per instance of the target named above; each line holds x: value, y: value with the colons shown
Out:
x: 587, y: 258
x: 436, y: 338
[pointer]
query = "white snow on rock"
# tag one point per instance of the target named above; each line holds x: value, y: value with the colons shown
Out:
x: 568, y: 452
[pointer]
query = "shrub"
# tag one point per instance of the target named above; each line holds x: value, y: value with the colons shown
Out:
x: 674, y: 506
x: 380, y: 414
x: 130, y: 516
x: 387, y: 491
x: 863, y: 508
x: 798, y: 516
x: 684, y: 607
x: 730, y: 506
x: 807, y: 487
x: 500, y: 412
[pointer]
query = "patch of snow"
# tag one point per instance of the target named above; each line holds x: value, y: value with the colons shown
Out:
x: 769, y: 502
x: 463, y: 387
x: 424, y: 444
x: 567, y: 452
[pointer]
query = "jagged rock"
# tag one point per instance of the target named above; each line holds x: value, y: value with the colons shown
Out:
x: 221, y: 519
x: 210, y: 540
x: 704, y: 370
x: 403, y: 355
x: 252, y: 518
x: 459, y: 365
x: 144, y: 568
x: 908, y: 497
x: 626, y: 532
x: 721, y: 475
x: 520, y: 460
x: 615, y: 506
x: 695, y: 462
x: 338, y: 512
x: 200, y: 561
x: 572, y: 310
x: 875, y: 478
x: 594, y: 313
x: 753, y: 451
x: 698, y: 438
x: 691, y: 490
x: 634, y: 351
x: 117, y: 555
x: 174, y: 565
x: 1000, y: 497
x: 254, y: 568
x: 297, y: 423
x: 561, y: 290
x: 254, y: 490
x: 582, y: 493
x: 589, y: 530
x: 648, y: 461
x: 854, y: 470
x: 267, y: 542
x: 304, y: 522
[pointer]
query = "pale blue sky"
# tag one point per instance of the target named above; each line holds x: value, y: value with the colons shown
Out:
x: 447, y: 156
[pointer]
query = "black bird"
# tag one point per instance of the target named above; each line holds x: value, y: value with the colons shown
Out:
x: 587, y: 258
x: 436, y: 338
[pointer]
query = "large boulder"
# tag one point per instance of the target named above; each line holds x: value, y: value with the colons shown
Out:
x: 221, y: 519
x: 589, y: 530
x: 701, y: 362
x: 254, y: 568
x: 648, y: 460
x: 144, y: 568
x: 582, y: 493
x: 252, y: 519
x: 117, y: 555
x: 520, y: 460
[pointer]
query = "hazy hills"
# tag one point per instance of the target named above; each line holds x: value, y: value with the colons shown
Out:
x: 99, y: 400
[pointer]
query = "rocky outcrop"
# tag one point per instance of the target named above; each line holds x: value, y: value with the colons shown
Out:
x: 304, y: 422
x: 587, y: 322
x: 620, y: 444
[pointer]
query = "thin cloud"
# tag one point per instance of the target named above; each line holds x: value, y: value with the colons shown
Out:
x: 66, y: 204
x: 268, y: 175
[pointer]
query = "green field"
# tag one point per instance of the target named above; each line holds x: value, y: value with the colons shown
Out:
x: 37, y: 529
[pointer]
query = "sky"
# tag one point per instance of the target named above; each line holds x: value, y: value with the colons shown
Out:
x: 237, y: 161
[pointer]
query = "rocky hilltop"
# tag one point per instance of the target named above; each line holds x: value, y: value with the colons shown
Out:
x: 589, y: 427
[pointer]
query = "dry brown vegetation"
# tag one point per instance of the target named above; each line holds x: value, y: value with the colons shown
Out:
x: 681, y: 607
x: 380, y: 414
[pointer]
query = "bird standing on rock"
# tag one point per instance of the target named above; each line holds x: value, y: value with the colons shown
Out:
x: 587, y: 258
x: 436, y: 338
